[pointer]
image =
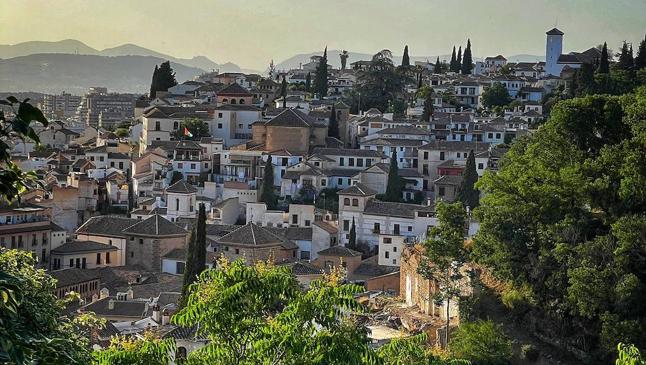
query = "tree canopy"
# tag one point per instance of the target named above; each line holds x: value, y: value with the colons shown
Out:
x: 163, y: 79
x: 395, y: 183
x: 267, y: 193
x: 495, y: 95
x: 382, y: 84
x: 468, y: 194
x: 197, y: 129
x: 321, y: 77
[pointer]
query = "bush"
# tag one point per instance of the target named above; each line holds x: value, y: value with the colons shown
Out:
x: 529, y: 352
x: 482, y: 343
x: 518, y: 299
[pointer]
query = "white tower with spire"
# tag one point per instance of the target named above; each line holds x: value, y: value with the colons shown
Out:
x: 553, y: 50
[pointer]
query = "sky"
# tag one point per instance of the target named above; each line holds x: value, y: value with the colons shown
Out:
x: 252, y: 32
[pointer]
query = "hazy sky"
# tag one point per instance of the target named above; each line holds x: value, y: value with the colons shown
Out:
x: 251, y: 32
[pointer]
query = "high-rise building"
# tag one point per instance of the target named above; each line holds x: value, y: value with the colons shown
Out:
x: 100, y: 108
x: 60, y: 106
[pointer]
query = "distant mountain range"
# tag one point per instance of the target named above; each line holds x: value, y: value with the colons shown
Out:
x: 334, y: 59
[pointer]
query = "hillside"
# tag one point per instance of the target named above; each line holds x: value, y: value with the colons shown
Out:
x: 54, y: 73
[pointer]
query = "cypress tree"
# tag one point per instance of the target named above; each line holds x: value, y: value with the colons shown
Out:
x: 438, y: 66
x: 467, y: 60
x: 405, y: 58
x: 625, y: 58
x: 189, y: 270
x: 267, y: 194
x: 584, y: 83
x: 283, y: 91
x: 604, y: 68
x: 458, y: 60
x: 452, y: 63
x: 333, y: 126
x: 468, y: 194
x: 320, y: 80
x: 131, y: 198
x: 154, y: 82
x: 428, y: 108
x: 166, y: 77
x: 640, y: 60
x: 352, y: 240
x: 200, y: 241
x: 394, y: 186
x: 308, y: 82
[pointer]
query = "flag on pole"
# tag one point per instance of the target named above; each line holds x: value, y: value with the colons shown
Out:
x: 188, y: 133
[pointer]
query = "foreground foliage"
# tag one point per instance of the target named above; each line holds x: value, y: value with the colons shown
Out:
x: 564, y: 220
x: 481, y: 342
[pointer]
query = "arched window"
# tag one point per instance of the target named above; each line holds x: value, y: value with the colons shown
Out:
x: 355, y: 202
x: 346, y: 201
x: 176, y: 204
x: 225, y: 100
x: 241, y: 101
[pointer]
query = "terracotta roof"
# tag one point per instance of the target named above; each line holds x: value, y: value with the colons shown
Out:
x: 292, y: 118
x: 155, y: 225
x: 340, y: 251
x: 67, y: 277
x: 234, y: 89
x: 303, y: 268
x: 254, y: 235
x: 357, y: 189
x: 82, y: 246
x: 391, y: 209
x: 181, y: 187
x: 105, y: 225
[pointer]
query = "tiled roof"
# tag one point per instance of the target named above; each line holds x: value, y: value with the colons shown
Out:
x: 254, y: 235
x: 329, y: 228
x: 292, y: 118
x: 357, y: 189
x: 156, y: 225
x: 176, y: 254
x: 181, y: 187
x: 340, y: 251
x: 234, y: 89
x: 105, y: 225
x: 303, y: 268
x: 292, y: 233
x: 67, y: 277
x: 454, y: 180
x: 136, y: 309
x: 82, y: 246
x: 391, y: 209
x: 369, y: 268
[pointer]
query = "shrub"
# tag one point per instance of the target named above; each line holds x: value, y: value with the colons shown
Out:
x: 482, y: 343
x: 529, y: 352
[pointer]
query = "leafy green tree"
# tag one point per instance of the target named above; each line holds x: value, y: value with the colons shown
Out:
x: 604, y: 67
x: 405, y: 58
x: 196, y: 127
x: 481, y: 342
x: 352, y: 241
x: 308, y: 82
x: 13, y: 180
x: 134, y: 351
x: 467, y: 59
x: 321, y: 76
x: 122, y: 132
x: 584, y: 82
x: 427, y: 113
x: 563, y: 216
x: 468, y: 194
x: 395, y: 184
x: 629, y: 355
x: 333, y: 125
x: 382, y: 84
x: 32, y: 328
x: 495, y: 95
x: 445, y: 255
x: 267, y: 193
x: 258, y: 314
x: 411, y: 350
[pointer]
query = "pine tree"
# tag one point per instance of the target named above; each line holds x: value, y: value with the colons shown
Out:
x: 405, y: 58
x: 452, y: 63
x: 352, y: 240
x: 394, y: 186
x: 625, y: 61
x: 438, y: 66
x: 640, y: 60
x: 468, y: 194
x: 308, y: 82
x: 320, y: 80
x: 428, y: 108
x: 604, y: 68
x: 467, y: 60
x: 154, y: 82
x: 458, y: 60
x: 333, y: 126
x: 267, y: 194
x: 283, y: 92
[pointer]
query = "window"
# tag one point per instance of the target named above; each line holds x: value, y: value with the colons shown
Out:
x: 157, y: 126
x: 480, y: 166
x: 71, y: 262
x: 323, y: 182
x: 355, y: 202
x: 176, y: 125
x: 497, y: 135
x: 220, y: 116
x: 295, y: 219
x: 107, y: 257
x: 368, y: 162
x: 426, y: 155
x: 442, y: 156
x: 490, y: 135
x: 34, y: 242
x: 346, y: 201
x: 388, y: 240
x: 176, y: 204
x: 396, y: 229
x: 395, y: 249
x: 101, y: 158
x: 339, y: 181
x: 180, y: 165
x: 410, y: 228
x: 237, y: 251
x: 341, y: 161
x: 83, y: 263
x: 179, y: 267
x: 441, y: 192
x: 98, y: 258
x: 307, y: 223
x: 387, y: 254
x: 346, y: 225
x: 376, y: 228
x: 192, y: 166
x: 220, y: 124
x: 141, y: 241
x: 350, y: 161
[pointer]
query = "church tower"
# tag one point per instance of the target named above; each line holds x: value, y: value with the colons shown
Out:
x: 553, y: 50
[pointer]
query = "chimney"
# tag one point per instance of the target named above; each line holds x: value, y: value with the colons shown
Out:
x: 130, y: 294
x: 156, y: 313
x: 111, y: 304
x: 165, y: 319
